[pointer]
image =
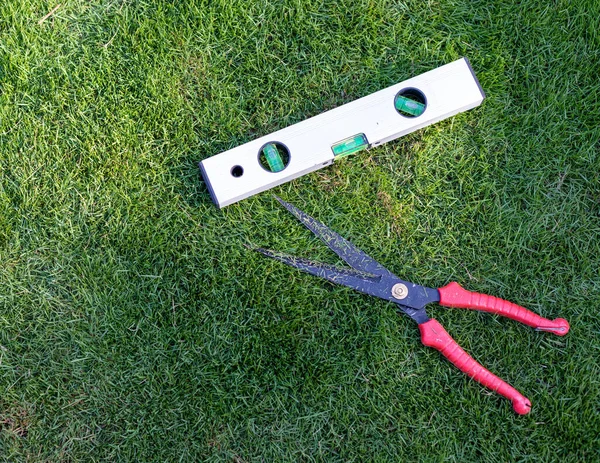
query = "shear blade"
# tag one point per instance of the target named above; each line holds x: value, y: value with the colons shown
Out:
x: 341, y: 246
x: 348, y: 277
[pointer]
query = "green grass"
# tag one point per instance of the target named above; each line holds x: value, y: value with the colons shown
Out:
x: 135, y: 325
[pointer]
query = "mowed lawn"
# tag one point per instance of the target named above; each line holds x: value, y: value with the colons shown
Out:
x: 136, y: 326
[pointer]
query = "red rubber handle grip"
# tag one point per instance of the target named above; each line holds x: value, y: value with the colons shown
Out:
x: 454, y: 295
x: 434, y: 335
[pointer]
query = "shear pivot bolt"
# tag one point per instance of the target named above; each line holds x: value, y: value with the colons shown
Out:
x: 399, y: 291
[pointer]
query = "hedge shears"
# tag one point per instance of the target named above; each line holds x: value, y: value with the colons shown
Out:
x: 370, y: 277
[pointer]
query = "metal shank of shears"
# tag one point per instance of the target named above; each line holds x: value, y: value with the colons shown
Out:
x: 367, y: 276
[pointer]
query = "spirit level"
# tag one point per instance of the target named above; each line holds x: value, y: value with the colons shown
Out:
x: 314, y: 143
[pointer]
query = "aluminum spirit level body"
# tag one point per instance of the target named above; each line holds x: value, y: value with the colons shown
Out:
x: 314, y: 143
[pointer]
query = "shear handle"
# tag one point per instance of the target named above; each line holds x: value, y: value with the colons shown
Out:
x: 434, y: 335
x: 454, y: 295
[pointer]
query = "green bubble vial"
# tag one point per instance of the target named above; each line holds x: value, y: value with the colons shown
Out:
x: 273, y: 158
x: 350, y: 145
x: 409, y: 106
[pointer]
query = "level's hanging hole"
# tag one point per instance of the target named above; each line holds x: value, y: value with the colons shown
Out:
x: 410, y: 102
x: 237, y: 171
x: 274, y: 156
